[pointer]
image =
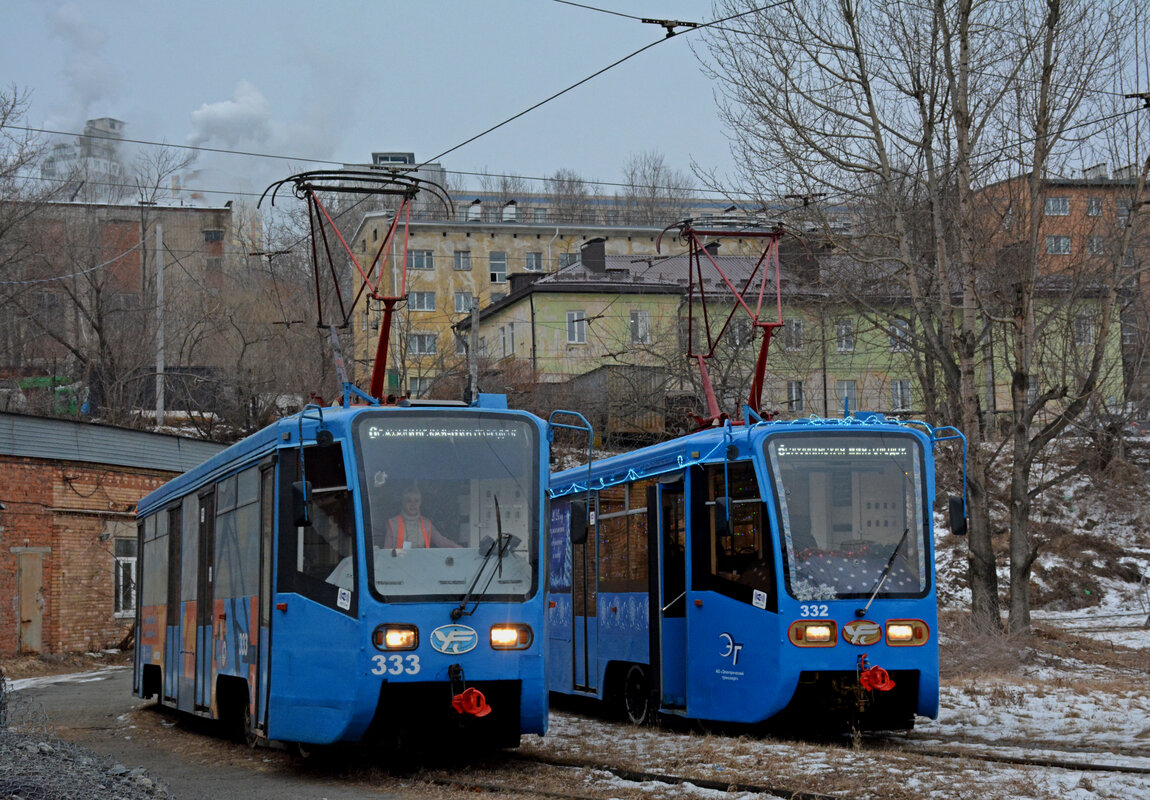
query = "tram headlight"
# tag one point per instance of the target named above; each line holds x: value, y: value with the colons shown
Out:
x: 395, y: 637
x: 813, y: 633
x: 514, y: 636
x: 907, y: 633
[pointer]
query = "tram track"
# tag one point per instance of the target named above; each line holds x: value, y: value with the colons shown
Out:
x: 570, y: 767
x: 958, y: 750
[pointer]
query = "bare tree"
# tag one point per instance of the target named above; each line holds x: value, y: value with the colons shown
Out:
x: 655, y: 194
x: 905, y: 113
x: 571, y: 199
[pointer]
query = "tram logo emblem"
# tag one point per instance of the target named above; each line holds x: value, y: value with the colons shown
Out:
x: 454, y: 640
x: 862, y: 632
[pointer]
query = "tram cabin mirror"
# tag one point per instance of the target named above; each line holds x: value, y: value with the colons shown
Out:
x: 579, y: 522
x: 722, y: 516
x: 957, y: 517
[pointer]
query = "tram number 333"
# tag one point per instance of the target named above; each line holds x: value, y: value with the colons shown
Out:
x: 395, y: 665
x: 814, y: 610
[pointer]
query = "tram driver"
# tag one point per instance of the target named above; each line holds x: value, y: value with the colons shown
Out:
x: 409, y: 528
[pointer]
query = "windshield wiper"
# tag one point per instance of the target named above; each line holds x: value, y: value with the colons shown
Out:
x: 493, y: 548
x: 861, y: 612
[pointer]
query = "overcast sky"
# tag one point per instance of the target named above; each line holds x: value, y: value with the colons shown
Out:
x: 338, y: 80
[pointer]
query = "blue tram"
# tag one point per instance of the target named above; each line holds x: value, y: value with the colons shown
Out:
x: 354, y: 573
x: 767, y: 572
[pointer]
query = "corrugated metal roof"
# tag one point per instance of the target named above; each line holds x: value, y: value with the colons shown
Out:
x: 58, y: 439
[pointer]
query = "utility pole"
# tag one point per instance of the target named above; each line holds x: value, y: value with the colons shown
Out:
x: 159, y: 324
x: 473, y: 354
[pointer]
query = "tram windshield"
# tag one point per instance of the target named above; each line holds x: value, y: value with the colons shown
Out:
x: 847, y: 502
x: 440, y: 489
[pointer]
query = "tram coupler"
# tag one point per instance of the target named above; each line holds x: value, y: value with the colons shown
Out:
x: 464, y: 700
x: 873, y: 678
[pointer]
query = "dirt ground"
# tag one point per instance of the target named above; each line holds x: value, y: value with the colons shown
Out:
x: 35, y: 666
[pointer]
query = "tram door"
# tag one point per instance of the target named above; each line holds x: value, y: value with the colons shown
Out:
x: 669, y: 596
x: 205, y: 605
x: 173, y: 658
x: 584, y: 597
x: 262, y: 637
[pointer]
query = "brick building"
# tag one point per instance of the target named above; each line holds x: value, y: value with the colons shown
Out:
x: 68, y: 494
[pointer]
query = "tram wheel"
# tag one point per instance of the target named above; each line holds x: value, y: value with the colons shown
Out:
x: 637, y: 695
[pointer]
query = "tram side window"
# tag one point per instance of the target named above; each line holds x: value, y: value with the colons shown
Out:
x: 317, y: 560
x: 237, y: 535
x: 154, y: 569
x: 735, y: 557
x: 623, y: 538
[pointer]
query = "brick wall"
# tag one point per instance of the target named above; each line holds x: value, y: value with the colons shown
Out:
x: 65, y: 507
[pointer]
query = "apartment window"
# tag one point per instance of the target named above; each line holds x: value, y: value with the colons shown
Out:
x: 418, y: 386
x: 900, y: 395
x: 567, y: 259
x: 534, y: 262
x: 845, y: 335
x: 1129, y: 334
x: 539, y: 215
x: 640, y: 326
x: 899, y: 335
x: 1084, y: 330
x: 1123, y: 210
x: 848, y: 392
x: 420, y: 259
x: 1058, y: 245
x: 1094, y: 206
x: 125, y: 577
x: 463, y: 260
x: 740, y: 331
x: 793, y: 334
x: 1057, y: 206
x: 795, y: 396
x: 498, y: 262
x: 421, y: 301
x: 463, y: 302
x: 213, y: 236
x: 421, y: 344
x: 507, y: 335
x: 1096, y: 245
x: 214, y: 264
x: 576, y: 327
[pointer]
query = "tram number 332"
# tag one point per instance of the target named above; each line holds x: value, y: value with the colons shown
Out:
x: 395, y: 665
x: 811, y: 610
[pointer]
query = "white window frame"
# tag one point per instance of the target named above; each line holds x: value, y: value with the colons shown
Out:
x: 793, y: 334
x: 462, y: 260
x: 1058, y: 206
x: 507, y: 337
x: 124, y: 569
x: 1096, y: 245
x: 1094, y: 206
x: 899, y: 336
x: 494, y: 259
x: 1057, y: 245
x: 640, y: 326
x: 576, y: 327
x: 849, y: 388
x: 418, y: 386
x: 416, y: 344
x: 900, y: 394
x: 845, y: 335
x: 463, y: 302
x: 421, y: 301
x: 421, y: 259
x: 533, y: 262
x: 796, y: 400
x: 1084, y: 329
